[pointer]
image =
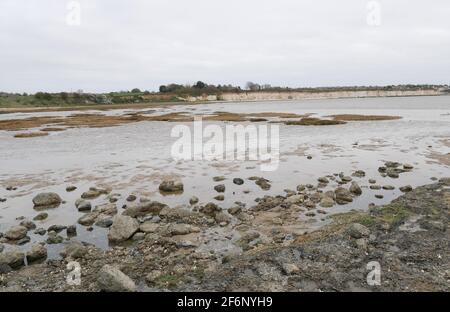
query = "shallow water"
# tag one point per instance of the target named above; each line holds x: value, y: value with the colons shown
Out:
x: 134, y: 158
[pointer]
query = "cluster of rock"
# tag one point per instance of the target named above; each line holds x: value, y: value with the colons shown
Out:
x: 393, y: 169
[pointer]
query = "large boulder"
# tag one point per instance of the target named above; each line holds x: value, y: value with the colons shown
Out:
x: 14, y: 258
x: 16, y: 232
x: 43, y: 200
x: 123, y: 228
x: 171, y: 186
x: 111, y: 279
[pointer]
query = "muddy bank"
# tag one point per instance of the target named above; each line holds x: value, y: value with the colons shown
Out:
x: 409, y: 238
x: 98, y: 120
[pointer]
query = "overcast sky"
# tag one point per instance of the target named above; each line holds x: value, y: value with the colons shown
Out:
x: 122, y: 44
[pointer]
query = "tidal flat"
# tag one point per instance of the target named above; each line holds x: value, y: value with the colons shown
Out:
x: 120, y: 195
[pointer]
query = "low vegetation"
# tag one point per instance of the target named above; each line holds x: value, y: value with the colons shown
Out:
x: 173, y: 93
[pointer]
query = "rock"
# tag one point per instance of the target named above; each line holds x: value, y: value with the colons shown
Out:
x: 83, y: 205
x: 4, y: 268
x: 171, y: 186
x: 372, y: 181
x: 330, y: 194
x: 194, y: 200
x: 71, y: 231
x: 379, y: 196
x: 210, y: 209
x: 238, y: 181
x: 408, y: 167
x: 375, y: 187
x: 290, y: 268
x: 138, y: 236
x: 392, y: 173
x: 222, y: 217
x: 355, y: 189
x: 357, y: 231
x: 219, y: 197
x: 361, y: 243
x: 123, y: 228
x: 181, y: 229
x: 392, y: 164
x: 28, y: 224
x: 2, y: 247
x: 234, y: 210
x: 295, y: 199
x: 109, y: 209
x: 246, y: 238
x: 323, y: 180
x: 40, y: 231
x: 56, y: 228
x: 382, y: 169
x: 16, y: 232
x: 219, y: 188
x: 388, y: 187
x: 406, y: 189
x: 326, y: 202
x: 309, y: 157
x: 346, y: 179
x: 218, y: 178
x: 88, y: 219
x: 148, y: 227
x: 142, y: 209
x: 13, y: 258
x: 301, y: 188
x: 37, y: 252
x: 343, y: 196
x: 263, y: 183
x: 309, y: 204
x: 153, y: 276
x: 23, y: 241
x: 111, y: 279
x: 131, y: 198
x: 71, y: 188
x: 41, y: 216
x: 94, y: 192
x: 359, y: 174
x: 74, y: 250
x: 54, y: 238
x: 43, y: 200
x: 104, y: 221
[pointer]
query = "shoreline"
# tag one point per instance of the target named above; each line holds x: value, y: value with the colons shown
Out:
x: 37, y: 109
x: 407, y: 237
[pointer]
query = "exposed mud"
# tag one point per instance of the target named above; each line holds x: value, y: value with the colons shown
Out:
x: 355, y: 117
